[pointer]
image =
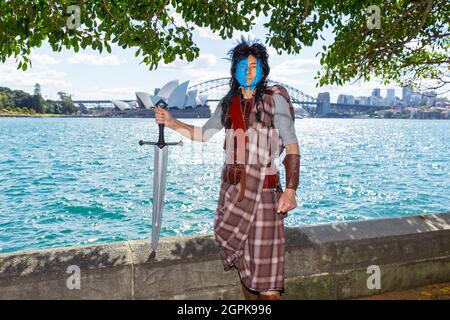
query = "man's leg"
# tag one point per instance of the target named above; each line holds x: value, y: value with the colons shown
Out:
x: 270, y: 295
x: 249, y: 295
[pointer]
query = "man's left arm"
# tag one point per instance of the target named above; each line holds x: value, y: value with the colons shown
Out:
x: 284, y: 123
x: 291, y: 164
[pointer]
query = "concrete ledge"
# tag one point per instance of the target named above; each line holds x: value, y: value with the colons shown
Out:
x: 327, y: 261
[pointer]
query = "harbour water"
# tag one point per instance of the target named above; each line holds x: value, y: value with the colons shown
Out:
x: 76, y: 181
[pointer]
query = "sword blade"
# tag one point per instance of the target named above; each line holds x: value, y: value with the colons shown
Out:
x: 159, y: 187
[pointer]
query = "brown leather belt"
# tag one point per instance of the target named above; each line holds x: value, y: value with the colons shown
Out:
x: 232, y: 174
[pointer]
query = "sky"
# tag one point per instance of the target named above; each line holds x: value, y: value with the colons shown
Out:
x: 91, y: 75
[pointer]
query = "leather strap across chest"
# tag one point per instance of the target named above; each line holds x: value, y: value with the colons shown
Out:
x: 238, y: 121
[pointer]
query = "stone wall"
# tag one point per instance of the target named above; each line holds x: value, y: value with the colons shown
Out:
x: 325, y: 261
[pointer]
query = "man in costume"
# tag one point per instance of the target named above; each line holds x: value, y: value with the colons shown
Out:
x: 249, y: 218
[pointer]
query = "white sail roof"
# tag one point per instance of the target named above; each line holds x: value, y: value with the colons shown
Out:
x: 191, y: 100
x: 178, y: 96
x: 174, y: 94
x: 155, y: 99
x: 202, y: 99
x: 133, y: 105
x: 121, y: 105
x: 167, y: 89
x: 144, y: 100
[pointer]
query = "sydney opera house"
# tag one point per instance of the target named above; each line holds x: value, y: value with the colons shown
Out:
x: 180, y: 102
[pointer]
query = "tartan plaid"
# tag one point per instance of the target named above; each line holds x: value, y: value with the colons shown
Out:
x: 250, y: 233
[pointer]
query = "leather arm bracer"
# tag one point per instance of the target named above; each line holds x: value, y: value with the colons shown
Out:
x: 291, y: 164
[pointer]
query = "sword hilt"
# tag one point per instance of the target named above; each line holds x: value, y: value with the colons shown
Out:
x: 161, y: 134
x: 161, y: 142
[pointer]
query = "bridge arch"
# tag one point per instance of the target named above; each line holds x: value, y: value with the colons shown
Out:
x: 302, y: 102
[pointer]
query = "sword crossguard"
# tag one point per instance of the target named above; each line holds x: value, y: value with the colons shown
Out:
x: 161, y: 143
x: 179, y: 143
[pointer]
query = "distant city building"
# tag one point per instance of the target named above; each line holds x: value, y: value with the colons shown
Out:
x: 361, y: 100
x: 416, y: 99
x: 412, y: 113
x: 390, y: 97
x: 346, y: 99
x: 350, y: 99
x: 376, y: 92
x: 406, y: 95
x: 441, y: 102
x: 446, y: 114
x: 323, y: 103
x: 430, y: 98
x: 374, y: 100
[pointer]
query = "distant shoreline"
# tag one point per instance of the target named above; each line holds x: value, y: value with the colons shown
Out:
x: 44, y: 116
x: 105, y: 117
x: 31, y: 116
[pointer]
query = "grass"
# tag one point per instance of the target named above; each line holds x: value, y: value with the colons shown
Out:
x: 23, y: 114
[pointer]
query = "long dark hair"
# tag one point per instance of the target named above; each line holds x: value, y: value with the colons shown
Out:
x: 242, y: 50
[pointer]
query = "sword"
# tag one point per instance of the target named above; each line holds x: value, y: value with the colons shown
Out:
x: 159, y: 175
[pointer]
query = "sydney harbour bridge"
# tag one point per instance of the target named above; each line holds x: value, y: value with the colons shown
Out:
x: 215, y: 89
x: 305, y: 105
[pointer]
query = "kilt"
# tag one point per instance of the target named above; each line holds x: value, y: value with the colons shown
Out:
x: 260, y: 258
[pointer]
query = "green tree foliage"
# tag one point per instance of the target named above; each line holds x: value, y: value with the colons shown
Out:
x: 411, y: 43
x: 22, y: 99
x: 22, y: 102
x: 38, y: 101
x: 54, y: 107
x: 82, y: 108
x: 67, y: 105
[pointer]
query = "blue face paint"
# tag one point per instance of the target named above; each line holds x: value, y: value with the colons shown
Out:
x: 242, y: 73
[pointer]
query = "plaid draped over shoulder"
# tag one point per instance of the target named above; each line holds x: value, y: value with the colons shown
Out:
x: 250, y: 233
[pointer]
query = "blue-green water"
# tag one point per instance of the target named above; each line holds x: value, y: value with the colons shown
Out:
x: 76, y: 181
